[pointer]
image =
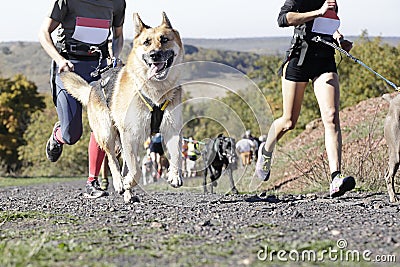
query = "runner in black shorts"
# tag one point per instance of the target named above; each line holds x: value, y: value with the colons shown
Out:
x: 311, y: 68
x: 156, y: 148
x: 308, y: 60
x: 156, y: 151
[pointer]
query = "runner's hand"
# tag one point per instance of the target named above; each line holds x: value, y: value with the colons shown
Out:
x: 116, y: 62
x: 65, y: 65
x: 329, y: 4
x: 346, y: 45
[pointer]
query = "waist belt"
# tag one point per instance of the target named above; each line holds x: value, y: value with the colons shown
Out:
x: 82, y: 49
x: 85, y: 50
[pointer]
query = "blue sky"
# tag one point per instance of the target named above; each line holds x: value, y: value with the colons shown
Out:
x: 212, y: 18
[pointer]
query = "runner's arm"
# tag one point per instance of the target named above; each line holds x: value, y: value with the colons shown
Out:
x: 48, y: 26
x: 290, y: 17
x: 117, y: 41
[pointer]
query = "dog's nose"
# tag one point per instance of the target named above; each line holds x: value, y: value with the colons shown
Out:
x: 155, y: 55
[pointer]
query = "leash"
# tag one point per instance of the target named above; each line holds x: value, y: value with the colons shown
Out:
x: 347, y: 54
x: 96, y: 49
x: 98, y: 71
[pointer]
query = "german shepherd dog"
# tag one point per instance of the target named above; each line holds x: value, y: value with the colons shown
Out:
x: 123, y: 115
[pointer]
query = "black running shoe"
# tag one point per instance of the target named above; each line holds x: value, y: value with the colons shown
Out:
x: 93, y: 190
x: 53, y: 148
x: 341, y: 184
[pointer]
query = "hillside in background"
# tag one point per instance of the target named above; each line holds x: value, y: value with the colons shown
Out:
x: 30, y: 59
x: 262, y: 45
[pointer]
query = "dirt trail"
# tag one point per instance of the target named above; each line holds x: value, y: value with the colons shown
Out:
x: 53, y: 224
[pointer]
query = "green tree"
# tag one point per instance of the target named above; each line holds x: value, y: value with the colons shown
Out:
x: 19, y: 99
x: 357, y: 83
x: 74, y: 159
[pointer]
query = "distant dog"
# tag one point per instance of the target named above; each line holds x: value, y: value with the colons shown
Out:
x: 143, y: 99
x: 392, y: 136
x: 220, y: 153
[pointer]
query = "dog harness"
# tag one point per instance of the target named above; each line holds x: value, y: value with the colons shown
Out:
x: 157, y: 112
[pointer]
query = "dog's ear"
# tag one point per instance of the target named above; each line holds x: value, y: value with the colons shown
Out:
x: 138, y: 24
x: 166, y: 21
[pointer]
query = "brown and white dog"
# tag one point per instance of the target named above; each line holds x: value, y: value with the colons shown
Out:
x: 120, y: 112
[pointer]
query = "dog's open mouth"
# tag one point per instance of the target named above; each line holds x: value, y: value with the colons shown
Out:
x: 159, y: 67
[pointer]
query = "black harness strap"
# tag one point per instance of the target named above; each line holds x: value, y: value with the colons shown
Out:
x: 156, y: 119
x: 299, y: 36
x: 157, y: 112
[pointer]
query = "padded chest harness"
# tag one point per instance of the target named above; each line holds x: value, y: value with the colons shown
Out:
x: 157, y: 112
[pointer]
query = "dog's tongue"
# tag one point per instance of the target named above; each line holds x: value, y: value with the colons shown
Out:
x: 154, y: 68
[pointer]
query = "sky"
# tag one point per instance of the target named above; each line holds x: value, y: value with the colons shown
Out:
x: 21, y: 19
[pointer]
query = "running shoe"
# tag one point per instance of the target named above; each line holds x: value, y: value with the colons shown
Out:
x: 341, y: 184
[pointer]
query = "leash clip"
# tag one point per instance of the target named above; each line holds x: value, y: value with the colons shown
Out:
x: 94, y: 49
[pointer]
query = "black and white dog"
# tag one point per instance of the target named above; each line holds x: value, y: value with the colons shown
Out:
x: 220, y: 153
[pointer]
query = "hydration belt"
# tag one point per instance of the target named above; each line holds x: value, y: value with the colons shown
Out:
x: 79, y: 49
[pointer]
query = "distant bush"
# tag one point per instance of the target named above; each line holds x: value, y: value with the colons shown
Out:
x: 6, y: 50
x: 19, y: 99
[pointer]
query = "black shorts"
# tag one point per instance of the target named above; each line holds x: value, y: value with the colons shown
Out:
x: 156, y: 148
x: 311, y: 68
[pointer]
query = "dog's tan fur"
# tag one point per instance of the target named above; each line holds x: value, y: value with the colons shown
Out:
x: 128, y: 112
x: 392, y: 134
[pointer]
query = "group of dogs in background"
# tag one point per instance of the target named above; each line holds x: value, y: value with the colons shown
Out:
x: 120, y: 110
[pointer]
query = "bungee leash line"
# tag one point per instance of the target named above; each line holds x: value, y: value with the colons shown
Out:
x: 347, y: 54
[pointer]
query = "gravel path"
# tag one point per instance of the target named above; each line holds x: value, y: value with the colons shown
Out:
x: 59, y: 226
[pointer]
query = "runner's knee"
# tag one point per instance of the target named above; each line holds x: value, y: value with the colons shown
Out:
x: 288, y: 124
x: 330, y: 118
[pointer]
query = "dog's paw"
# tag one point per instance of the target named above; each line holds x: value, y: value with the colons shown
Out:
x: 175, y: 179
x: 129, y: 197
x: 118, y: 186
x: 394, y: 199
x: 129, y: 182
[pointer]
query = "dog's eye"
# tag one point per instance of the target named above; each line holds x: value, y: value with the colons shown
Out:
x: 147, y: 42
x: 164, y: 39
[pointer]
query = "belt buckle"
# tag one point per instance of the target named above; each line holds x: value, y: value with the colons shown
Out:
x: 72, y: 48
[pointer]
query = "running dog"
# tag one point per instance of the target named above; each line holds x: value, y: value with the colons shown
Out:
x: 220, y: 152
x: 392, y: 133
x: 144, y: 99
